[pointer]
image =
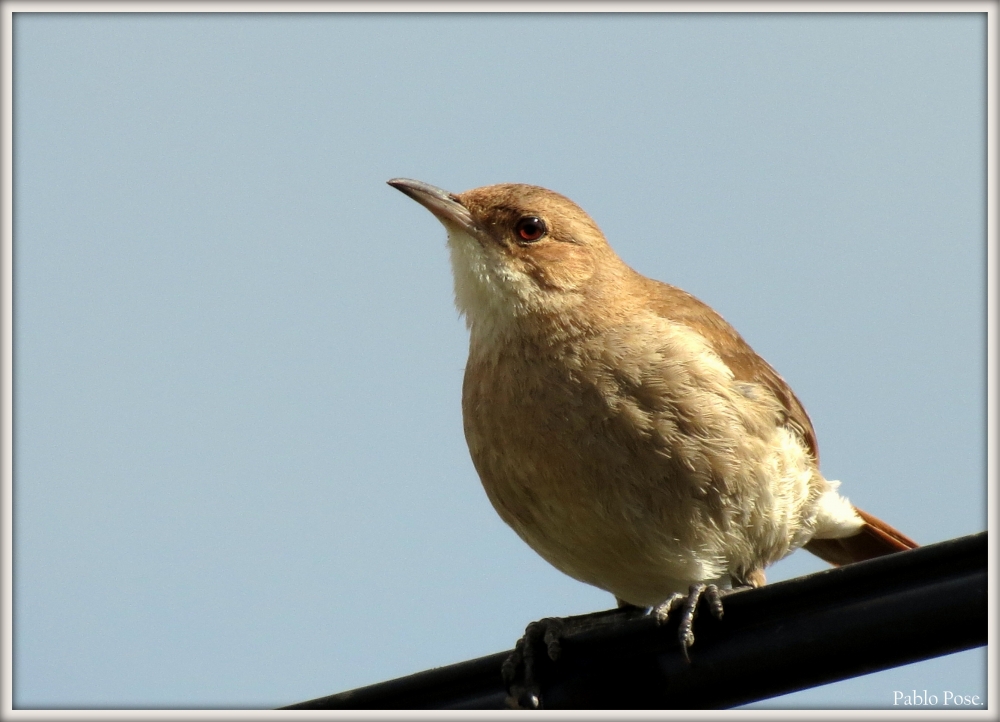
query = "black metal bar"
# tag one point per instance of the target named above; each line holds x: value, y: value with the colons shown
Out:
x: 781, y: 638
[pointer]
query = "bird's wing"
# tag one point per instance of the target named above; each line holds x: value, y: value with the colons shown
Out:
x: 876, y: 537
x: 747, y: 367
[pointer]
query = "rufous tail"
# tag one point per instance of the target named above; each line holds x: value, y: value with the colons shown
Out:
x: 875, y: 539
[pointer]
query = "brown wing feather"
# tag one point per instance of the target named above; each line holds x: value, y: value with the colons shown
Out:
x: 746, y: 365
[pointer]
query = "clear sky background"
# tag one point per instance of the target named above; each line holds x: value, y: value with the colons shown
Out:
x: 240, y: 473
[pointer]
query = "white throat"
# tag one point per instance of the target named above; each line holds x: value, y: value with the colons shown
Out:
x: 487, y: 292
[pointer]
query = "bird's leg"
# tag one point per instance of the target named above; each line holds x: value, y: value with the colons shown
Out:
x: 688, y: 604
x: 521, y: 670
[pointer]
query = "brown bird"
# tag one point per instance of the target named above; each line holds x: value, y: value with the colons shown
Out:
x: 619, y: 425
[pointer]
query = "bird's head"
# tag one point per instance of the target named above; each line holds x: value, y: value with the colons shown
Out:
x: 518, y: 251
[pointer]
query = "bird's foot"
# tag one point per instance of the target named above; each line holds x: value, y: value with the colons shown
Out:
x: 688, y: 604
x: 541, y: 645
x: 520, y: 669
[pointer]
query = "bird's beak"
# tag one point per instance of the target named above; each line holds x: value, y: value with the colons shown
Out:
x: 444, y: 205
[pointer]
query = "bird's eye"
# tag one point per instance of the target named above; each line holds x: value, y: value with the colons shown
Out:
x: 530, y: 228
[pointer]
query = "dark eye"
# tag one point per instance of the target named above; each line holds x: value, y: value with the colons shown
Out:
x: 530, y: 228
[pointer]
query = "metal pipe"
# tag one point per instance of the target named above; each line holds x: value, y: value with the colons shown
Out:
x: 781, y: 638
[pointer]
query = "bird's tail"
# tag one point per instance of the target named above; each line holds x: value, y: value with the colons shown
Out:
x: 875, y: 539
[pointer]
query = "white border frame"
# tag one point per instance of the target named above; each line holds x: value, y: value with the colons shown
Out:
x: 7, y: 9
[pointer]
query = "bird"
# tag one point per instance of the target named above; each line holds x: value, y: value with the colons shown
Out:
x: 619, y: 425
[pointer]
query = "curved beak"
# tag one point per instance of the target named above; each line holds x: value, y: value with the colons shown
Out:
x: 444, y: 205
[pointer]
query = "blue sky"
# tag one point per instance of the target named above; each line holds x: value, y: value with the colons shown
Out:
x: 240, y: 477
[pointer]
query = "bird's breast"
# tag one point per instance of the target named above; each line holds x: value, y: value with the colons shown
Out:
x: 597, y: 452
